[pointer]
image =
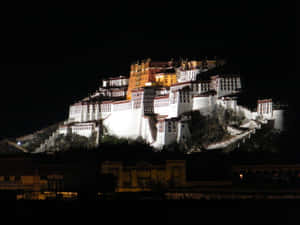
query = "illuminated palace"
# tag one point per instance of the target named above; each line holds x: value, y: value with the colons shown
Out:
x: 152, y: 103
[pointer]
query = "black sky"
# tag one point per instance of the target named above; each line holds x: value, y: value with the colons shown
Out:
x: 53, y: 55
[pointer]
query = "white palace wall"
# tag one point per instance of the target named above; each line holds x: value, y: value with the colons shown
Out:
x: 134, y: 118
x: 161, y: 106
x: 125, y: 123
x: 201, y: 104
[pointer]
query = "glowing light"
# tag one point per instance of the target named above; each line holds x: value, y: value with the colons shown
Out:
x: 19, y: 143
x: 159, y: 76
x: 241, y: 176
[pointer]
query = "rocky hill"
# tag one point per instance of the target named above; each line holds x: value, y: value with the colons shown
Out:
x: 32, y: 141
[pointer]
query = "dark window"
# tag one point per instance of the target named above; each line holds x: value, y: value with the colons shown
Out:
x: 17, y: 178
x: 6, y: 178
x: 43, y: 177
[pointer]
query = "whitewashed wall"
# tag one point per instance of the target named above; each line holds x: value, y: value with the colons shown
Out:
x: 202, y: 104
x: 162, y: 109
x: 83, y: 129
x: 126, y: 123
x: 279, y: 119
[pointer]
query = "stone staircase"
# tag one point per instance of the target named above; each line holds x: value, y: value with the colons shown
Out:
x: 48, y: 142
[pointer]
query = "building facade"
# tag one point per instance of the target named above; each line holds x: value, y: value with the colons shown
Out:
x: 152, y: 104
x: 146, y: 176
x: 144, y: 73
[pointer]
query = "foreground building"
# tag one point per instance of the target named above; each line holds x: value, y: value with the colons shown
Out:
x: 152, y: 102
x: 41, y: 178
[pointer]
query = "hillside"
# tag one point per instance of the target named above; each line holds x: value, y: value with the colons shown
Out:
x: 34, y: 140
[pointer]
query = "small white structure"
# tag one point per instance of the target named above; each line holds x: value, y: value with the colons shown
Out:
x: 279, y: 119
x: 226, y: 84
x: 264, y: 108
x: 187, y: 75
x: 120, y: 81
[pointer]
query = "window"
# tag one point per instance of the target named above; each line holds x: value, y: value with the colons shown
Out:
x: 169, y: 127
x: 6, y: 178
x: 17, y: 178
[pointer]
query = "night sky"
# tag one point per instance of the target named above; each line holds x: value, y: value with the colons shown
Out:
x: 54, y: 55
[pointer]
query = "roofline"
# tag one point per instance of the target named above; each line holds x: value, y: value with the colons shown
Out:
x: 121, y: 102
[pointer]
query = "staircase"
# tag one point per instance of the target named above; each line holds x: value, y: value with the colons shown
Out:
x: 241, y: 137
x: 48, y: 142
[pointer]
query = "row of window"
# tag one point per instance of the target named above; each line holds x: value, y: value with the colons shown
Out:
x: 203, y: 87
x: 118, y: 82
x: 223, y: 88
x: 81, y: 128
x: 136, y: 105
x: 184, y: 97
x: 171, y: 126
x: 101, y: 108
x: 228, y: 84
x: 10, y: 178
x: 105, y: 108
x: 113, y: 93
x: 148, y: 109
x: 264, y: 108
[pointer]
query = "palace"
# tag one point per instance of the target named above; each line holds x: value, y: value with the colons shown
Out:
x: 152, y: 103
